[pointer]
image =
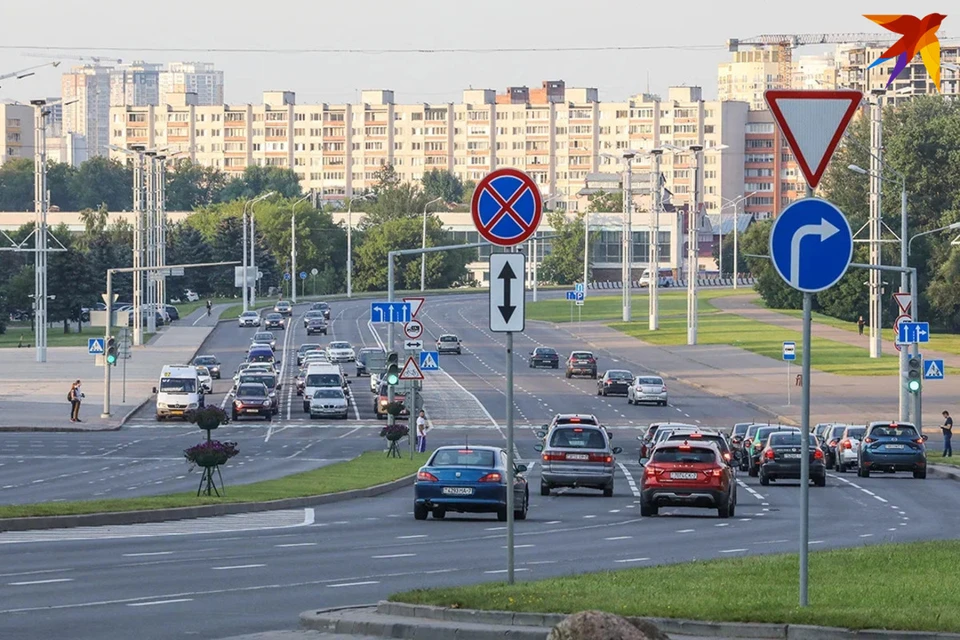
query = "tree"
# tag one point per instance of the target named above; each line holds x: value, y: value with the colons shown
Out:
x: 742, y: 265
x: 69, y: 280
x: 101, y: 181
x: 60, y: 177
x: 16, y: 185
x: 442, y: 184
x: 257, y: 180
x: 605, y: 202
x: 191, y: 185
x: 776, y: 293
x: 186, y: 245
x: 564, y: 265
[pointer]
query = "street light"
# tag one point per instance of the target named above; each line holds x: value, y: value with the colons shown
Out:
x: 949, y: 227
x: 251, y: 265
x: 423, y: 245
x: 534, y: 253
x: 627, y: 155
x: 293, y: 248
x: 365, y: 196
x: 742, y: 201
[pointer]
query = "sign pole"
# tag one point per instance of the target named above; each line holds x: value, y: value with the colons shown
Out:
x: 510, y: 460
x: 123, y: 398
x: 788, y: 383
x: 106, y: 338
x: 805, y: 450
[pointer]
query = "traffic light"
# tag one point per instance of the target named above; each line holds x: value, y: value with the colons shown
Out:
x: 111, y: 350
x: 914, y: 373
x: 393, y: 368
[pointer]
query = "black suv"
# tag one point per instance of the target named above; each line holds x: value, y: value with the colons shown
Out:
x: 781, y: 457
x: 544, y: 357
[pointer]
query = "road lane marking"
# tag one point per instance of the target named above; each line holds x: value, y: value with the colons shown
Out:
x: 866, y: 535
x: 145, y: 554
x: 630, y: 481
x: 733, y: 550
x: 554, y: 522
x: 352, y: 431
x: 156, y: 602
x: 632, y: 560
x: 619, y: 538
x: 493, y: 571
x: 685, y: 530
x: 750, y: 490
x: 352, y: 584
x: 295, y: 544
x: 520, y: 546
x: 239, y: 566
x: 31, y: 582
x: 394, y: 555
x: 419, y: 535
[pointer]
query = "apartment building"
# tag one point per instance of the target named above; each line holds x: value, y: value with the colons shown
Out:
x: 338, y: 148
x: 853, y: 73
x: 16, y: 131
x: 88, y: 88
x: 135, y: 84
x: 200, y: 78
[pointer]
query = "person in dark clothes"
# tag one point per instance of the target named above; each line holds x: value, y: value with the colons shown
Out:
x: 75, y: 397
x: 947, y: 429
x: 860, y: 324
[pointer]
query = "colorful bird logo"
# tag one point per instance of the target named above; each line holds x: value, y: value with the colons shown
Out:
x: 919, y: 35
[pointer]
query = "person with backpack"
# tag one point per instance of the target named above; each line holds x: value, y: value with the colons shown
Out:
x: 75, y: 396
x: 209, y: 307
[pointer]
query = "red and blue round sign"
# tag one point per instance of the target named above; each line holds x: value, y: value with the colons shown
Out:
x: 506, y: 207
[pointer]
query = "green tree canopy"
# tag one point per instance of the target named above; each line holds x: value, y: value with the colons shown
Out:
x: 564, y: 265
x: 257, y: 180
x: 442, y: 184
x: 16, y: 185
x: 191, y: 185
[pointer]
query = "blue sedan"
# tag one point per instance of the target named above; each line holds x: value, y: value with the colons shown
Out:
x: 468, y: 480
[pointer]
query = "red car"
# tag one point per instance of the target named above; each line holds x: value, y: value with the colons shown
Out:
x: 687, y: 474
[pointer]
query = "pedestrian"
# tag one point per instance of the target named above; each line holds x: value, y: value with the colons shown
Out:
x: 860, y: 324
x: 209, y: 307
x: 75, y: 396
x: 421, y: 433
x: 947, y: 429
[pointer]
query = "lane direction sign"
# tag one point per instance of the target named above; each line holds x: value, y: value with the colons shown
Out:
x: 429, y: 361
x: 903, y: 317
x: 789, y: 351
x: 411, y: 371
x: 413, y: 329
x: 415, y: 305
x: 413, y: 345
x: 913, y: 332
x: 95, y: 346
x: 303, y: 275
x: 388, y: 312
x: 933, y: 369
x: 813, y: 123
x: 506, y: 207
x: 507, y: 310
x: 286, y: 276
x: 811, y: 245
x: 571, y: 295
x: 578, y: 287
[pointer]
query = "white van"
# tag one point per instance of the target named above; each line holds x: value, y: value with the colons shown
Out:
x: 322, y: 374
x: 179, y: 391
x: 666, y: 278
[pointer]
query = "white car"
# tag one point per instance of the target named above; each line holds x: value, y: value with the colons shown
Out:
x: 328, y: 402
x: 206, y: 380
x: 249, y: 319
x: 191, y: 296
x: 647, y: 389
x: 250, y: 366
x: 339, y: 351
x: 848, y: 447
x: 374, y: 382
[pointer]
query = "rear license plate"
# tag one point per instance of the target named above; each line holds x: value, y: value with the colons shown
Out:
x: 677, y: 475
x: 894, y: 446
x: 252, y: 410
x: 791, y: 455
x: 577, y: 456
x: 458, y: 491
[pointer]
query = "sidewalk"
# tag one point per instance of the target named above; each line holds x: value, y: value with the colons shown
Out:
x: 33, y: 395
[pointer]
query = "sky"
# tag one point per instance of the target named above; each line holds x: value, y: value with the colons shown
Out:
x: 686, y: 40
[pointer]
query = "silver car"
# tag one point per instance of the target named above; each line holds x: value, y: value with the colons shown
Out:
x: 577, y: 456
x: 647, y: 389
x: 328, y: 402
x: 249, y: 319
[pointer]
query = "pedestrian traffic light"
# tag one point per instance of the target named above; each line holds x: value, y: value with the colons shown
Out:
x: 393, y: 368
x: 914, y: 373
x: 111, y: 350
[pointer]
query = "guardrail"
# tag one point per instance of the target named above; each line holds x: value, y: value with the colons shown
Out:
x: 676, y: 283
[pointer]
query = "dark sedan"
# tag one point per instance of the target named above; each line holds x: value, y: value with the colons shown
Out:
x: 780, y: 459
x: 210, y: 362
x: 829, y: 442
x: 469, y: 480
x: 362, y: 368
x: 321, y: 306
x: 316, y: 325
x: 891, y: 447
x: 274, y: 321
x: 614, y: 382
x: 544, y: 357
x: 252, y: 399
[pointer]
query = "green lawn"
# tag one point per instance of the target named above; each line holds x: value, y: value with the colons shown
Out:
x: 848, y: 588
x: 610, y: 307
x: 233, y: 312
x: 368, y: 469
x: 186, y: 308
x: 935, y: 456
x: 55, y: 337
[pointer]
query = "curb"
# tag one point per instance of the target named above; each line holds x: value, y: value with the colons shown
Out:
x: 36, y: 429
x: 943, y: 471
x: 202, y: 511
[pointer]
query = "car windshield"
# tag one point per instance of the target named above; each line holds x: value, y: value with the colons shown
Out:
x: 680, y: 454
x: 252, y: 390
x: 328, y: 393
x: 740, y: 429
x: 651, y: 381
x: 619, y: 375
x: 701, y: 437
x: 764, y: 432
x: 323, y: 380
x: 581, y: 355
x: 260, y: 356
x: 205, y: 360
x: 834, y: 432
x: 248, y: 314
x: 263, y: 336
x: 269, y: 381
x: 546, y: 351
x: 856, y: 432
x: 317, y: 321
x: 894, y: 431
x: 178, y: 385
x: 308, y: 347
x: 577, y: 438
x: 448, y: 338
x: 782, y: 439
x: 203, y: 371
x: 462, y: 458
x: 313, y: 314
x: 339, y: 345
x: 274, y: 316
x: 320, y: 305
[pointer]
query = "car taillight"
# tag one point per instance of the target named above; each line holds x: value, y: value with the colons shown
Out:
x: 426, y: 476
x: 817, y: 454
x: 846, y: 444
x: 547, y: 457
x: 869, y: 440
x: 491, y: 477
x: 833, y: 442
x: 716, y: 472
x: 601, y: 457
x: 727, y: 456
x: 663, y: 389
x: 919, y: 440
x: 650, y: 471
x: 769, y: 454
x: 591, y: 360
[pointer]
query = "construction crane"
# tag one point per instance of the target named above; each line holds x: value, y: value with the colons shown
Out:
x: 29, y: 71
x: 786, y: 43
x: 86, y: 59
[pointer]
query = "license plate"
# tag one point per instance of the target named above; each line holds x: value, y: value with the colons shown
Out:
x: 679, y: 475
x: 252, y: 410
x: 176, y: 413
x: 458, y: 491
x: 577, y: 456
x: 894, y: 446
x: 791, y: 455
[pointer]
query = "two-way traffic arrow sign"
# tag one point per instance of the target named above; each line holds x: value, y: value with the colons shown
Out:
x: 507, y: 311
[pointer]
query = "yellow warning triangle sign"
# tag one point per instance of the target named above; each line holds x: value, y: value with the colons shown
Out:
x: 411, y: 370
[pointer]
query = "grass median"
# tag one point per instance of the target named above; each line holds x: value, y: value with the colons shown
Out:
x: 367, y: 470
x: 848, y: 588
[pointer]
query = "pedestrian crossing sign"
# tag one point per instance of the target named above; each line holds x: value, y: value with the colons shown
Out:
x: 933, y: 370
x: 95, y: 346
x: 429, y: 361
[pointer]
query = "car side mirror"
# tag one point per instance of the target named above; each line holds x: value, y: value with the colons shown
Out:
x: 154, y: 389
x: 617, y: 450
x: 520, y: 468
x: 541, y: 434
x: 349, y: 381
x: 924, y: 438
x: 538, y: 447
x: 531, y: 353
x: 279, y: 386
x: 640, y: 438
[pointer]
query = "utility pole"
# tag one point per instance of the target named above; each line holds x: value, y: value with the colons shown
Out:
x: 41, y: 206
x: 150, y: 233
x: 654, y: 284
x: 692, y: 245
x: 627, y: 234
x: 139, y: 204
x: 876, y: 169
x: 293, y: 248
x: 423, y: 245
x: 246, y: 270
x: 160, y: 205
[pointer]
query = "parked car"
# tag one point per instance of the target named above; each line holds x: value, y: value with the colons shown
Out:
x: 614, y: 382
x: 688, y: 474
x: 890, y: 447
x: 544, y: 357
x: 582, y: 363
x: 172, y: 311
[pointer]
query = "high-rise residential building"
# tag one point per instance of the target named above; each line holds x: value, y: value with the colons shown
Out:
x: 853, y: 73
x: 136, y: 84
x: 559, y: 135
x: 88, y: 88
x: 16, y: 131
x: 748, y: 75
x: 191, y: 77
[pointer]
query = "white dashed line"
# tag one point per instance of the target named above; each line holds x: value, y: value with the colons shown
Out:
x: 504, y: 571
x: 620, y: 538
x: 630, y: 481
x: 239, y: 566
x: 419, y: 535
x: 733, y: 550
x: 632, y: 560
x: 394, y: 555
x: 352, y: 584
x: 156, y: 602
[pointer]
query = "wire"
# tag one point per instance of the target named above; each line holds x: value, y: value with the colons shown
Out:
x: 687, y: 47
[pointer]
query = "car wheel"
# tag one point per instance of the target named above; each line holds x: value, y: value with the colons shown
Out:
x: 629, y: 399
x: 268, y: 417
x: 159, y: 418
x: 608, y: 491
x: 568, y: 374
x: 556, y: 366
x: 764, y: 480
x: 233, y: 416
x: 502, y: 514
x: 841, y: 467
x: 820, y: 481
x: 419, y: 512
x: 863, y: 472
x: 459, y: 352
x: 594, y: 375
x: 522, y: 513
x: 647, y: 510
x: 439, y: 514
x: 753, y: 471
x: 544, y: 489
x: 724, y: 510
x: 599, y: 392
x: 920, y: 475
x: 306, y: 407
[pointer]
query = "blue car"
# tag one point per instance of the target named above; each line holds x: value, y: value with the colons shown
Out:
x: 468, y: 480
x: 890, y: 447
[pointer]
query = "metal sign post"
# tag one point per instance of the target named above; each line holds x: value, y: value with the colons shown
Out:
x: 789, y: 355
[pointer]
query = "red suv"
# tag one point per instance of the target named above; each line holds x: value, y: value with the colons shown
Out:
x: 687, y: 474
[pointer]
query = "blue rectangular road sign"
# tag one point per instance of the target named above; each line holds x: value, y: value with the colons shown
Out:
x: 579, y: 287
x: 429, y: 361
x: 913, y: 332
x: 933, y: 369
x: 571, y: 295
x: 95, y: 346
x: 388, y: 312
x: 579, y: 295
x: 789, y: 351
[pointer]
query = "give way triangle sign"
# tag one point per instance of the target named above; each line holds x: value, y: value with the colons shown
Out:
x: 813, y: 123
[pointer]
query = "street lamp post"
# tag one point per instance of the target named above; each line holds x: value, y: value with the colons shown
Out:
x: 535, y: 251
x: 41, y: 205
x: 293, y: 248
x: 692, y: 244
x: 653, y: 300
x: 423, y: 245
x: 251, y: 265
x: 735, y: 202
x: 365, y: 196
x: 628, y: 156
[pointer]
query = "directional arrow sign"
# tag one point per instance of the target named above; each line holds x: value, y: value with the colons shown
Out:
x: 811, y: 245
x: 506, y: 292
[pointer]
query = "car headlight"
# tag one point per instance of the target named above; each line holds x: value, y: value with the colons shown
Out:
x: 383, y: 402
x: 193, y: 405
x: 273, y: 394
x: 161, y: 405
x: 237, y: 403
x: 266, y: 403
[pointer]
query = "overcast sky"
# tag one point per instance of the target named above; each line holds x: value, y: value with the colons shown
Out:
x: 152, y: 31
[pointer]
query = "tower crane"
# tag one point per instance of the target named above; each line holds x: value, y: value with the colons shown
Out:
x: 84, y: 59
x: 786, y: 43
x: 26, y: 73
